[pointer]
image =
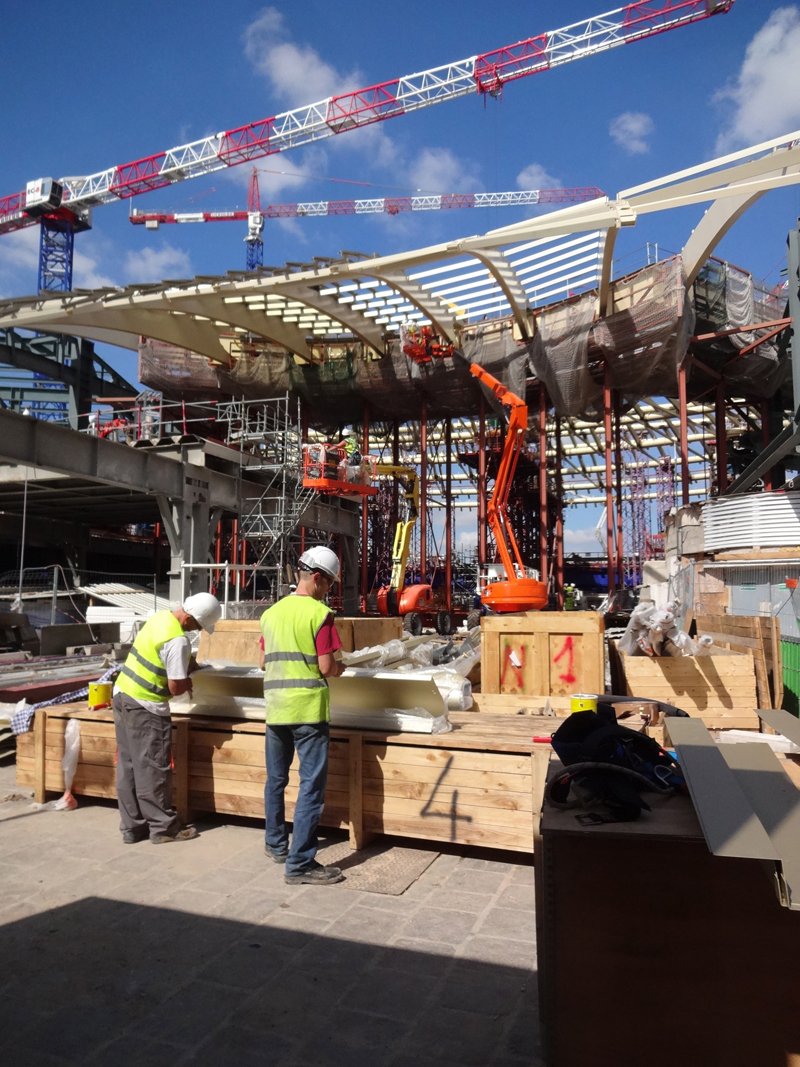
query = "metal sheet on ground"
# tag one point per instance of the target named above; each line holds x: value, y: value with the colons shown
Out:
x: 730, y: 826
x: 783, y: 722
x: 378, y: 868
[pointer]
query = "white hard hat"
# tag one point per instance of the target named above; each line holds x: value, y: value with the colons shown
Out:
x: 348, y: 433
x: 205, y: 609
x: 322, y: 559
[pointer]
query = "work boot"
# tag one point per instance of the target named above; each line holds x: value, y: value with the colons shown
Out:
x: 276, y: 857
x: 316, y: 874
x: 131, y: 837
x: 188, y: 833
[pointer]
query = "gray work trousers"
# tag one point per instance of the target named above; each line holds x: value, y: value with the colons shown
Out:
x: 144, y: 775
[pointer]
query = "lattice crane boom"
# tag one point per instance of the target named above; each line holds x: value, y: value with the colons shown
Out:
x: 486, y: 74
x: 386, y: 205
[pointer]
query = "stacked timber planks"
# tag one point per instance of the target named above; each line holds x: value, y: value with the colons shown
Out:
x: 537, y: 656
x: 719, y: 689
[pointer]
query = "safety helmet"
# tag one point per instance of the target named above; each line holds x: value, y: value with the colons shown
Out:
x: 205, y: 609
x: 322, y: 559
x: 348, y: 433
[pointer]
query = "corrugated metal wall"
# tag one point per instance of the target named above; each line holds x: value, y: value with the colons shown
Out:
x: 755, y: 520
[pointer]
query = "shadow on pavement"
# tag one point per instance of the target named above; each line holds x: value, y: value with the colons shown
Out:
x: 102, y: 982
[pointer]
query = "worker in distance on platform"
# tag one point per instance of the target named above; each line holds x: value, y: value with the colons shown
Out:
x: 350, y: 467
x: 300, y: 640
x: 159, y: 666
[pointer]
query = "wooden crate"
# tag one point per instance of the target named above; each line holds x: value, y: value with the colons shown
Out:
x: 237, y: 639
x: 541, y: 654
x: 720, y: 689
x: 482, y: 784
x: 757, y: 636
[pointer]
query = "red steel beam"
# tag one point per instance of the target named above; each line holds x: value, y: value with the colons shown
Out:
x: 482, y: 547
x: 611, y: 568
x: 448, y: 513
x: 423, y: 493
x: 559, y: 519
x: 365, y: 520
x: 543, y: 522
x: 684, y: 433
x: 721, y: 438
x: 618, y: 454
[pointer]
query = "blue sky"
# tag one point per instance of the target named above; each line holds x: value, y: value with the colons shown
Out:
x: 115, y: 83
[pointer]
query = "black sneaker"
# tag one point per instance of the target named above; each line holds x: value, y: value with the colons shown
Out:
x: 132, y: 837
x: 188, y: 833
x: 316, y: 874
x: 276, y: 857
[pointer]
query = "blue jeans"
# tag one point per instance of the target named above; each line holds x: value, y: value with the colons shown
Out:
x: 310, y: 740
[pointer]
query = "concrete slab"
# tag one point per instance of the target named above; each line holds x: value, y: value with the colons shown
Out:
x: 199, y: 954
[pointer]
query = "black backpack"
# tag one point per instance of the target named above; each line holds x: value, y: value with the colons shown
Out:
x: 611, y: 765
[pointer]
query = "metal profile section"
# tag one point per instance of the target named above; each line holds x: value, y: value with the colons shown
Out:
x: 730, y: 826
x: 783, y: 722
x: 503, y: 273
x: 775, y: 799
x: 443, y: 320
x: 362, y: 328
x: 765, y: 519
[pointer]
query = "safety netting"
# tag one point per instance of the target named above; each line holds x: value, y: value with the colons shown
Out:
x: 559, y: 356
x: 176, y: 372
x: 764, y: 369
x: 645, y: 341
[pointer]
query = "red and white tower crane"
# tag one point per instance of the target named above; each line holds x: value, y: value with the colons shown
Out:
x: 390, y: 205
x: 485, y: 74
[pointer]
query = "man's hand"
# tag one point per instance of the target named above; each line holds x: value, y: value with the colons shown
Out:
x: 329, y: 666
x: 177, y: 686
x: 194, y: 666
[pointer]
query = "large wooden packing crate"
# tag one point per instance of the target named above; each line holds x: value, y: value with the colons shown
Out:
x: 480, y: 784
x: 757, y: 636
x: 237, y: 639
x: 719, y: 689
x: 530, y: 658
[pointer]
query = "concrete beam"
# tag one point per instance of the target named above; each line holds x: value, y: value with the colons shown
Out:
x: 42, y: 444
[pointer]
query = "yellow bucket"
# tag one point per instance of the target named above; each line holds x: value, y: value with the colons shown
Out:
x: 584, y: 702
x: 100, y: 694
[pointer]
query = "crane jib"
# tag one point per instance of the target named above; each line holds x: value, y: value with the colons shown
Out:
x: 485, y: 73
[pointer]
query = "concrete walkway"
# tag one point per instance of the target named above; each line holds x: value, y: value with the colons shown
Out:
x: 198, y: 953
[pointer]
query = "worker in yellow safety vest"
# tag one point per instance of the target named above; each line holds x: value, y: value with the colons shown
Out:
x: 158, y: 666
x: 299, y: 642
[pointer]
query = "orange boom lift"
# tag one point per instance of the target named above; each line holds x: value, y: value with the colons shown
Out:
x: 517, y: 592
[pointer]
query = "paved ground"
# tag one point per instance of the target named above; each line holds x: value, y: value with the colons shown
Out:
x: 198, y: 953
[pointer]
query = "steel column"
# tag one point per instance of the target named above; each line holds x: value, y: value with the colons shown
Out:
x: 448, y: 513
x: 482, y: 482
x: 395, y: 485
x: 609, y: 485
x: 721, y: 435
x: 765, y: 419
x: 234, y: 552
x: 684, y: 433
x: 303, y: 442
x: 559, y: 519
x: 543, y: 568
x: 618, y: 460
x: 365, y: 520
x: 423, y: 493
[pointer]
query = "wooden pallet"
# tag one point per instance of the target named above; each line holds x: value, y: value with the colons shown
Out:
x: 482, y: 784
x: 757, y: 636
x: 542, y: 654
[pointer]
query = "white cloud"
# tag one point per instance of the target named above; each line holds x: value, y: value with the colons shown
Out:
x: 765, y: 97
x: 534, y: 176
x: 438, y: 170
x: 19, y: 261
x: 630, y: 129
x: 584, y: 540
x: 154, y: 264
x: 296, y: 73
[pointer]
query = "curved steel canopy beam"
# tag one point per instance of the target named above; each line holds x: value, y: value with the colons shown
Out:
x: 445, y: 323
x: 273, y: 329
x: 503, y: 273
x: 364, y: 329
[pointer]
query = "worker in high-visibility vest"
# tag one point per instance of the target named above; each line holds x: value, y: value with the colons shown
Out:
x: 158, y: 666
x: 300, y: 640
x: 350, y: 466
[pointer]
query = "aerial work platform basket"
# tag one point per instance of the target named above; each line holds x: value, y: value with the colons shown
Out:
x: 327, y: 469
